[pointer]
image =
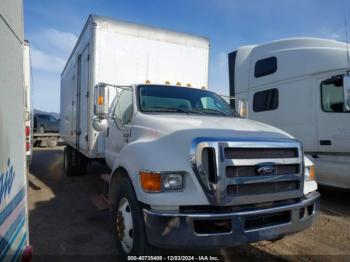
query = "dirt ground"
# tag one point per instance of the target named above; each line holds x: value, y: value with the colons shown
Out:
x: 66, y: 225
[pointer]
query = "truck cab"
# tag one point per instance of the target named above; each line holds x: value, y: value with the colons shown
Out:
x: 188, y: 171
x: 301, y: 86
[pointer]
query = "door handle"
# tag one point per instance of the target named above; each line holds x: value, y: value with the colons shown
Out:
x: 126, y: 135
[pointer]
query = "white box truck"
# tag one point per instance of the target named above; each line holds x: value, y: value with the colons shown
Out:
x: 13, y: 180
x: 186, y: 170
x: 301, y: 85
x: 27, y: 71
x: 122, y: 53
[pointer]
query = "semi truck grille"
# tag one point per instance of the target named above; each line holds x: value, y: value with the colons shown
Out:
x: 260, y: 153
x: 248, y: 172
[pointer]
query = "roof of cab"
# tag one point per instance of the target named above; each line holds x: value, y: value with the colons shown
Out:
x: 296, y: 57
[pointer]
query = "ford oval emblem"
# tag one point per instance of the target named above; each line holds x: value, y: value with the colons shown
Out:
x: 266, y: 170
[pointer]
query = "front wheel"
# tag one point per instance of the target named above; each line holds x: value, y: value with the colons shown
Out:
x: 128, y: 221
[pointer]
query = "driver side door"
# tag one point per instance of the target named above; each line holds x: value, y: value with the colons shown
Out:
x: 118, y: 133
x: 333, y: 118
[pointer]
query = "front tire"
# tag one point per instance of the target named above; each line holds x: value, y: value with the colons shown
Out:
x: 128, y: 221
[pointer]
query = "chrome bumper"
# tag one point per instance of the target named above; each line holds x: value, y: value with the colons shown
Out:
x: 180, y: 230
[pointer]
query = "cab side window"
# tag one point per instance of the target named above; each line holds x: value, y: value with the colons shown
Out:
x: 266, y: 100
x: 332, y: 95
x: 266, y: 66
x: 124, y: 108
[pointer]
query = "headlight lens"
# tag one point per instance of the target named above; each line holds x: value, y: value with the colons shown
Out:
x: 153, y: 182
x: 172, y: 182
x: 309, y: 173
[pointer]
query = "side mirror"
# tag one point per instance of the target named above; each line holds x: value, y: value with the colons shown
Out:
x: 346, y: 83
x: 101, y: 101
x: 99, y: 124
x: 243, y: 108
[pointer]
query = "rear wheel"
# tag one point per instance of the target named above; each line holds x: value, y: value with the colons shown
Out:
x: 128, y: 221
x: 74, y: 162
x: 67, y: 161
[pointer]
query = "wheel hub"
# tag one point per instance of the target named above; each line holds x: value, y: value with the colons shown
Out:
x: 124, y: 225
x: 120, y: 226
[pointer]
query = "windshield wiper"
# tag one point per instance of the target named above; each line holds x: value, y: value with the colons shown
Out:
x: 171, y: 109
x: 216, y: 112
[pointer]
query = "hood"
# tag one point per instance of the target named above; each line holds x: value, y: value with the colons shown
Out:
x: 205, y: 126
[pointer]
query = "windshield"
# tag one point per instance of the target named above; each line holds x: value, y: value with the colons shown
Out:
x: 171, y: 99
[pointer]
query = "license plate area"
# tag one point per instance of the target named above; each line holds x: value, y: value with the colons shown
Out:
x: 267, y: 220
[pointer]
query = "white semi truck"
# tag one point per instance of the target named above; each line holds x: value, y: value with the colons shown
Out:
x: 301, y: 85
x: 186, y: 170
x: 13, y: 179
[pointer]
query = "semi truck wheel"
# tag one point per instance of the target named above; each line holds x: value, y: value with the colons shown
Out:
x: 128, y: 221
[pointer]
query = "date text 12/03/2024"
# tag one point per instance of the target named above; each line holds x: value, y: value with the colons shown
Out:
x: 175, y: 258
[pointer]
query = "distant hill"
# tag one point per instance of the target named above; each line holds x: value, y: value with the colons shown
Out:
x: 54, y: 114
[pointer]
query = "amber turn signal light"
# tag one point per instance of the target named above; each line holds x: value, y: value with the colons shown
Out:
x: 100, y: 100
x: 150, y: 182
x: 312, y: 173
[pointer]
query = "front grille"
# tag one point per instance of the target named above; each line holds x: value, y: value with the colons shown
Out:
x: 209, y: 164
x: 262, y: 188
x: 240, y: 172
x: 259, y: 153
x: 248, y: 171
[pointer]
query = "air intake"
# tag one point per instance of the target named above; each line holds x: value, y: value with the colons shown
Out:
x: 209, y: 164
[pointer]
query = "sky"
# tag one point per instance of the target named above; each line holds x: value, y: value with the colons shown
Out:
x: 53, y: 27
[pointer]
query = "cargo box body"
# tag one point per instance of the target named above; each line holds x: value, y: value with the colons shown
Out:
x: 14, y: 231
x: 122, y: 53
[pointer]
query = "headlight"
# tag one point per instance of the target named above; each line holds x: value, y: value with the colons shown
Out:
x: 310, y: 184
x: 309, y: 173
x: 161, y: 181
x: 172, y: 182
x: 309, y: 170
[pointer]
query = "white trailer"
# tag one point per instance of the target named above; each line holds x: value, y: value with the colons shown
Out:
x: 186, y: 171
x: 27, y: 69
x: 13, y: 185
x: 298, y: 85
